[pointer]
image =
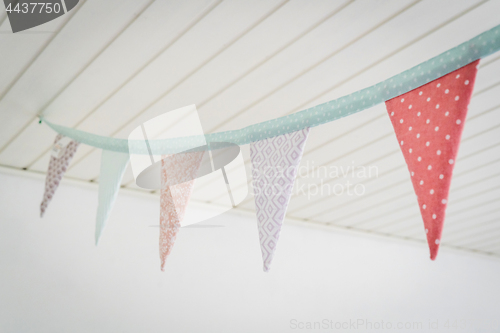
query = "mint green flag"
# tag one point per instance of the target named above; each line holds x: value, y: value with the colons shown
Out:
x: 113, y: 165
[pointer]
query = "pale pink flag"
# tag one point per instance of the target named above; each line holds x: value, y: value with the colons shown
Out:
x: 180, y: 169
x: 62, y: 152
x: 274, y: 168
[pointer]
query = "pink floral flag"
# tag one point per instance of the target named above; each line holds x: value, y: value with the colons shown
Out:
x: 428, y: 122
x: 178, y: 172
x: 274, y: 168
x: 62, y: 152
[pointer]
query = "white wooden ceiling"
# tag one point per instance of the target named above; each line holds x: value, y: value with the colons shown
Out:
x: 107, y: 66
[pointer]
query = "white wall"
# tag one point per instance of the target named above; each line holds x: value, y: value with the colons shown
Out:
x: 53, y: 278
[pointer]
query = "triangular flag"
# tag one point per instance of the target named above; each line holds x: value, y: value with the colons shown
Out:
x: 179, y: 169
x: 113, y: 165
x: 428, y: 122
x: 274, y: 167
x: 62, y: 152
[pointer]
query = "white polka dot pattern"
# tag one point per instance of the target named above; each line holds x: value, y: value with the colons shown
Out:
x: 480, y: 46
x: 436, y: 145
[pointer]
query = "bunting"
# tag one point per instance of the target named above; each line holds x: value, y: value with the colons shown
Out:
x: 62, y: 152
x: 274, y: 168
x: 427, y: 105
x: 428, y: 122
x: 178, y: 172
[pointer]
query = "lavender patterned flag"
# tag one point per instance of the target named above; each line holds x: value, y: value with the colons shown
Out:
x: 274, y: 167
x: 62, y: 152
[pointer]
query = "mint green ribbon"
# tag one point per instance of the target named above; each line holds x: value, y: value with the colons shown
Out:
x: 478, y: 47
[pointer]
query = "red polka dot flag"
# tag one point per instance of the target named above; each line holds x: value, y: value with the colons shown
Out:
x: 428, y: 122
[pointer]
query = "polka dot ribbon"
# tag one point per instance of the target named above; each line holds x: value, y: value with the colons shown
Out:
x: 428, y: 122
x: 476, y: 48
